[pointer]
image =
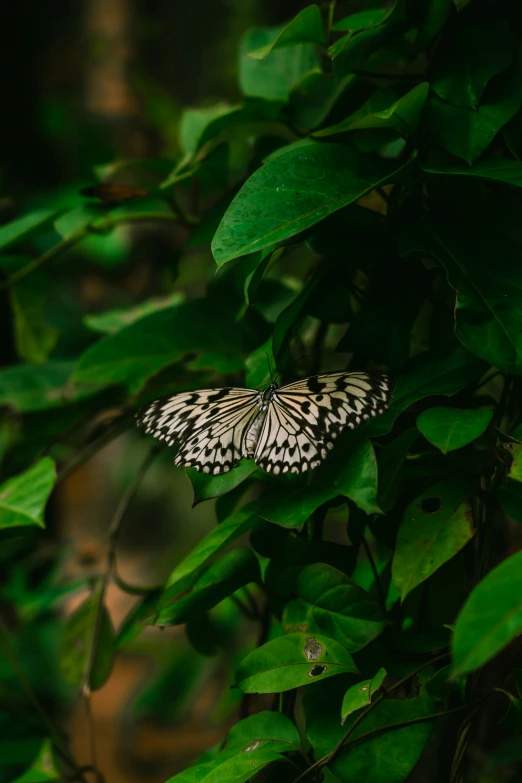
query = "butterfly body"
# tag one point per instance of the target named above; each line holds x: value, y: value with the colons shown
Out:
x: 285, y: 429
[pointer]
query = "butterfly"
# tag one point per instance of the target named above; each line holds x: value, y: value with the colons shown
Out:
x: 285, y: 429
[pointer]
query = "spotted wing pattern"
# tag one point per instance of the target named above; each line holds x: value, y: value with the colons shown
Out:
x: 305, y: 417
x: 210, y: 426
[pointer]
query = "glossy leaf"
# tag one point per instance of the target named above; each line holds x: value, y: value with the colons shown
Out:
x: 360, y: 694
x: 206, y: 487
x: 452, y: 428
x: 330, y: 603
x: 228, y: 573
x: 350, y: 471
x: 228, y: 767
x: 306, y: 27
x: 291, y: 192
x: 266, y: 725
x: 435, y: 526
x: 291, y: 661
x: 491, y: 617
x: 80, y: 629
x: 23, y: 497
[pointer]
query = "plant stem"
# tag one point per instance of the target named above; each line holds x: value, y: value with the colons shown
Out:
x: 378, y: 583
x: 113, y: 534
x: 329, y: 757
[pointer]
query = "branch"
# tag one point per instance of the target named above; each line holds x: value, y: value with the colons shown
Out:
x: 113, y: 534
x: 322, y: 762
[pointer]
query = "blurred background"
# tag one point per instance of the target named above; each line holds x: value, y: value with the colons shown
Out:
x: 86, y: 84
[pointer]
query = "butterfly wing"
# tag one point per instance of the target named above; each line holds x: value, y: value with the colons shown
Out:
x: 210, y: 426
x: 305, y: 417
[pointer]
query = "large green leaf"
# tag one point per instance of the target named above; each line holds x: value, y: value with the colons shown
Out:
x: 140, y: 350
x: 435, y: 372
x: 388, y: 756
x: 330, y: 603
x: 452, y: 428
x: 490, y: 168
x: 233, y: 766
x: 491, y: 617
x: 488, y: 315
x: 23, y: 497
x: 510, y: 498
x: 469, y: 57
x: 81, y: 628
x: 292, y: 191
x: 306, y: 27
x: 435, y: 526
x: 271, y: 726
x: 350, y: 471
x: 40, y: 387
x: 274, y: 78
x: 291, y: 661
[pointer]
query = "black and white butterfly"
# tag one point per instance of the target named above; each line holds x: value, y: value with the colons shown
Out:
x: 287, y: 429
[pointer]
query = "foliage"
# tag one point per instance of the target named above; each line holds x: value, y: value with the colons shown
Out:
x: 357, y: 207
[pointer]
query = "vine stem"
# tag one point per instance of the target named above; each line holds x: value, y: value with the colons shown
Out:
x: 92, y: 228
x: 101, y: 589
x: 55, y: 733
x: 329, y: 757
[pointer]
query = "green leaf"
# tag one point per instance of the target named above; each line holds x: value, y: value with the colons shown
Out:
x: 515, y: 469
x: 435, y: 526
x: 40, y: 387
x: 34, y: 336
x: 436, y: 372
x: 43, y: 769
x: 461, y: 72
x: 291, y: 661
x: 391, y: 459
x: 206, y: 486
x: 22, y: 229
x: 452, y: 428
x: 229, y: 573
x: 386, y: 757
x: 510, y: 498
x: 186, y: 574
x: 76, y: 220
x: 23, y: 497
x: 140, y: 350
x: 293, y: 191
x: 495, y: 169
x: 402, y: 115
x: 239, y: 767
x: 266, y: 726
x: 491, y: 617
x: 488, y: 316
x: 331, y: 604
x: 362, y: 20
x: 306, y: 27
x: 274, y: 78
x: 112, y: 321
x: 350, y: 470
x: 350, y: 51
x: 360, y: 694
x: 78, y: 634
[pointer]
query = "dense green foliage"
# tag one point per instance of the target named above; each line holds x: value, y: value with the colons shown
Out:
x: 361, y: 206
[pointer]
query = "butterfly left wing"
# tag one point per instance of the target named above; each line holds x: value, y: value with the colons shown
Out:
x: 210, y: 425
x: 305, y: 417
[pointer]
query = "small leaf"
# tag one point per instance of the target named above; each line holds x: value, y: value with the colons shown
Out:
x: 452, y: 428
x: 435, y: 526
x: 111, y: 321
x: 266, y: 726
x: 21, y: 229
x: 34, y: 336
x: 291, y: 661
x: 306, y: 27
x: 78, y: 634
x: 491, y: 617
x: 206, y: 486
x: 23, y: 497
x: 360, y: 694
x: 43, y: 769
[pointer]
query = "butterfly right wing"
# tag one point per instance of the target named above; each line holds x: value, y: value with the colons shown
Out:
x: 210, y: 425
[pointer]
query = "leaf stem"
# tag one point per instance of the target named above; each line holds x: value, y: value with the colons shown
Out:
x: 329, y: 757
